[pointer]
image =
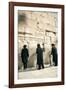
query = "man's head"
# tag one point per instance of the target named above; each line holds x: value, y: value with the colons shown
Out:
x: 53, y: 45
x: 38, y: 45
x: 25, y: 46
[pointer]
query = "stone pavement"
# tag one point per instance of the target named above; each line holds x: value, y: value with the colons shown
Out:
x: 47, y: 72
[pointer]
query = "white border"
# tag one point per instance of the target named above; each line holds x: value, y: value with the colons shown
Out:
x: 16, y: 81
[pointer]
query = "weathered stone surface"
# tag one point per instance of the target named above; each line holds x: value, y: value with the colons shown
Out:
x: 37, y: 27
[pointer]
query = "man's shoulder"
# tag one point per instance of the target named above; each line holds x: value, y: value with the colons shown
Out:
x: 26, y: 49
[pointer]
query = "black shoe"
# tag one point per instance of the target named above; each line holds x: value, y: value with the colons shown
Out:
x: 42, y: 67
x: 39, y: 68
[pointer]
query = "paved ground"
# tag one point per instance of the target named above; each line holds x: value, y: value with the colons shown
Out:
x: 47, y: 72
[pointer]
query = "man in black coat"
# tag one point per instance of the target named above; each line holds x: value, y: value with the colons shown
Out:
x: 24, y: 56
x: 39, y: 52
x: 54, y: 53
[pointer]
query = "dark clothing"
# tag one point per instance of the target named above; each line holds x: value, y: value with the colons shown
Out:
x: 39, y: 52
x: 40, y: 65
x: 55, y: 56
x: 24, y: 56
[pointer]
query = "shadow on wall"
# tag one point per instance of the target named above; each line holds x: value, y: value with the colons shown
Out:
x: 32, y: 61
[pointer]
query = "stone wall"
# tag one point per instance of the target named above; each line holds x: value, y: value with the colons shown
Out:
x: 33, y: 28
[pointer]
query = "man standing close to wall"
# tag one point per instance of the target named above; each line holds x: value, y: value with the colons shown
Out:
x: 39, y: 52
x: 54, y: 54
x: 24, y: 56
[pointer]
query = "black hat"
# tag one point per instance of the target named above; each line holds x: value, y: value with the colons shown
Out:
x: 38, y: 45
x: 53, y: 44
x: 24, y: 46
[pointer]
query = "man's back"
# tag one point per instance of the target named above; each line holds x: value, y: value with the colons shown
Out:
x: 24, y: 52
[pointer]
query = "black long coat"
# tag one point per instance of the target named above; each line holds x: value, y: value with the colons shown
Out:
x: 39, y: 52
x: 24, y: 55
x: 55, y: 56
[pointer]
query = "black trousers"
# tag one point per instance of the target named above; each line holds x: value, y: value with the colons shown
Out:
x: 24, y: 61
x: 25, y: 65
x: 55, y: 59
x: 40, y: 66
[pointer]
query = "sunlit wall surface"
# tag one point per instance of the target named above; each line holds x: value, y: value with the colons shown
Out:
x: 33, y: 28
